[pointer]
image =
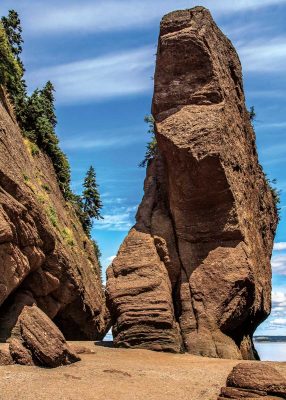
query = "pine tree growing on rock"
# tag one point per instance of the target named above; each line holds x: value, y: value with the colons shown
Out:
x: 12, y: 65
x: 13, y: 29
x: 91, y: 197
x: 151, y: 148
x: 40, y: 128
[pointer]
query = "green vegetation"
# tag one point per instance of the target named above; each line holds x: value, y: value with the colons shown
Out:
x: 35, y: 114
x: 98, y: 255
x: 11, y: 66
x: 39, y: 128
x: 37, y: 119
x: 91, y: 197
x: 151, y: 148
x: 68, y: 236
x: 12, y: 26
x: 32, y: 148
x: 275, y: 193
x: 46, y: 188
x: 252, y: 114
x: 52, y: 214
x: 88, y: 205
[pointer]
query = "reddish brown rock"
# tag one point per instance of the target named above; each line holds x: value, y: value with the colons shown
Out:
x: 207, y: 213
x: 254, y: 380
x: 20, y: 354
x: 5, y: 356
x: 43, y: 249
x: 38, y: 341
x: 140, y: 293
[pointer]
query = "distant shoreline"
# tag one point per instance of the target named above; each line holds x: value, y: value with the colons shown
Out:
x: 267, y: 339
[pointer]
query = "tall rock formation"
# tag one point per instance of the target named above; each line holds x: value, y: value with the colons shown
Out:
x: 194, y: 272
x: 45, y: 257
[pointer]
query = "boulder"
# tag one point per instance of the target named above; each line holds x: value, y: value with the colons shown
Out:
x: 194, y: 272
x: 254, y: 380
x: 37, y: 341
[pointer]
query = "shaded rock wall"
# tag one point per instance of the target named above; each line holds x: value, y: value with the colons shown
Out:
x: 207, y: 208
x: 45, y: 257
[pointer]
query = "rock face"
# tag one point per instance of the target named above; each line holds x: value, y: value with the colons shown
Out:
x: 45, y: 257
x: 194, y: 272
x: 254, y: 381
x: 38, y: 341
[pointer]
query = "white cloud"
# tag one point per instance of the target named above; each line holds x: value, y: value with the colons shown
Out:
x: 278, y: 322
x: 102, y: 140
x: 263, y: 55
x: 273, y: 125
x: 279, y: 299
x: 116, y: 74
x: 115, y: 222
x: 117, y: 200
x: 110, y: 15
x: 118, y: 216
x: 110, y: 259
x: 279, y: 264
x: 279, y: 246
x: 277, y: 318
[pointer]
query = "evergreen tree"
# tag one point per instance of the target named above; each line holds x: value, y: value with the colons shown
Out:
x: 151, y: 148
x: 78, y: 204
x: 49, y: 99
x: 252, y: 114
x: 91, y: 197
x: 12, y: 66
x: 35, y: 114
x: 40, y: 126
x: 13, y: 29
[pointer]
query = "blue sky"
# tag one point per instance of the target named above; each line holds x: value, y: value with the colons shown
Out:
x: 100, y: 57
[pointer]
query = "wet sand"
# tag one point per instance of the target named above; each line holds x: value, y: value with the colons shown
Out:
x: 120, y: 374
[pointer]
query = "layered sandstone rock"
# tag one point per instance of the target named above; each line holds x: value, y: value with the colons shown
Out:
x: 195, y: 269
x: 37, y: 341
x: 252, y: 380
x: 45, y: 257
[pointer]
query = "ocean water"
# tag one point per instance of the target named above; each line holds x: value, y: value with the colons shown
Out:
x: 271, y: 351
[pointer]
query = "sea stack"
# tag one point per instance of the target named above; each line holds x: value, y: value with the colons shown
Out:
x: 194, y: 272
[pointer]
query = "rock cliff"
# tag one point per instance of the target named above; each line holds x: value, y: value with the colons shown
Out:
x: 194, y: 272
x: 45, y: 257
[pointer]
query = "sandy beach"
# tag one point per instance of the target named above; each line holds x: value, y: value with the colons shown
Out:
x: 121, y: 374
